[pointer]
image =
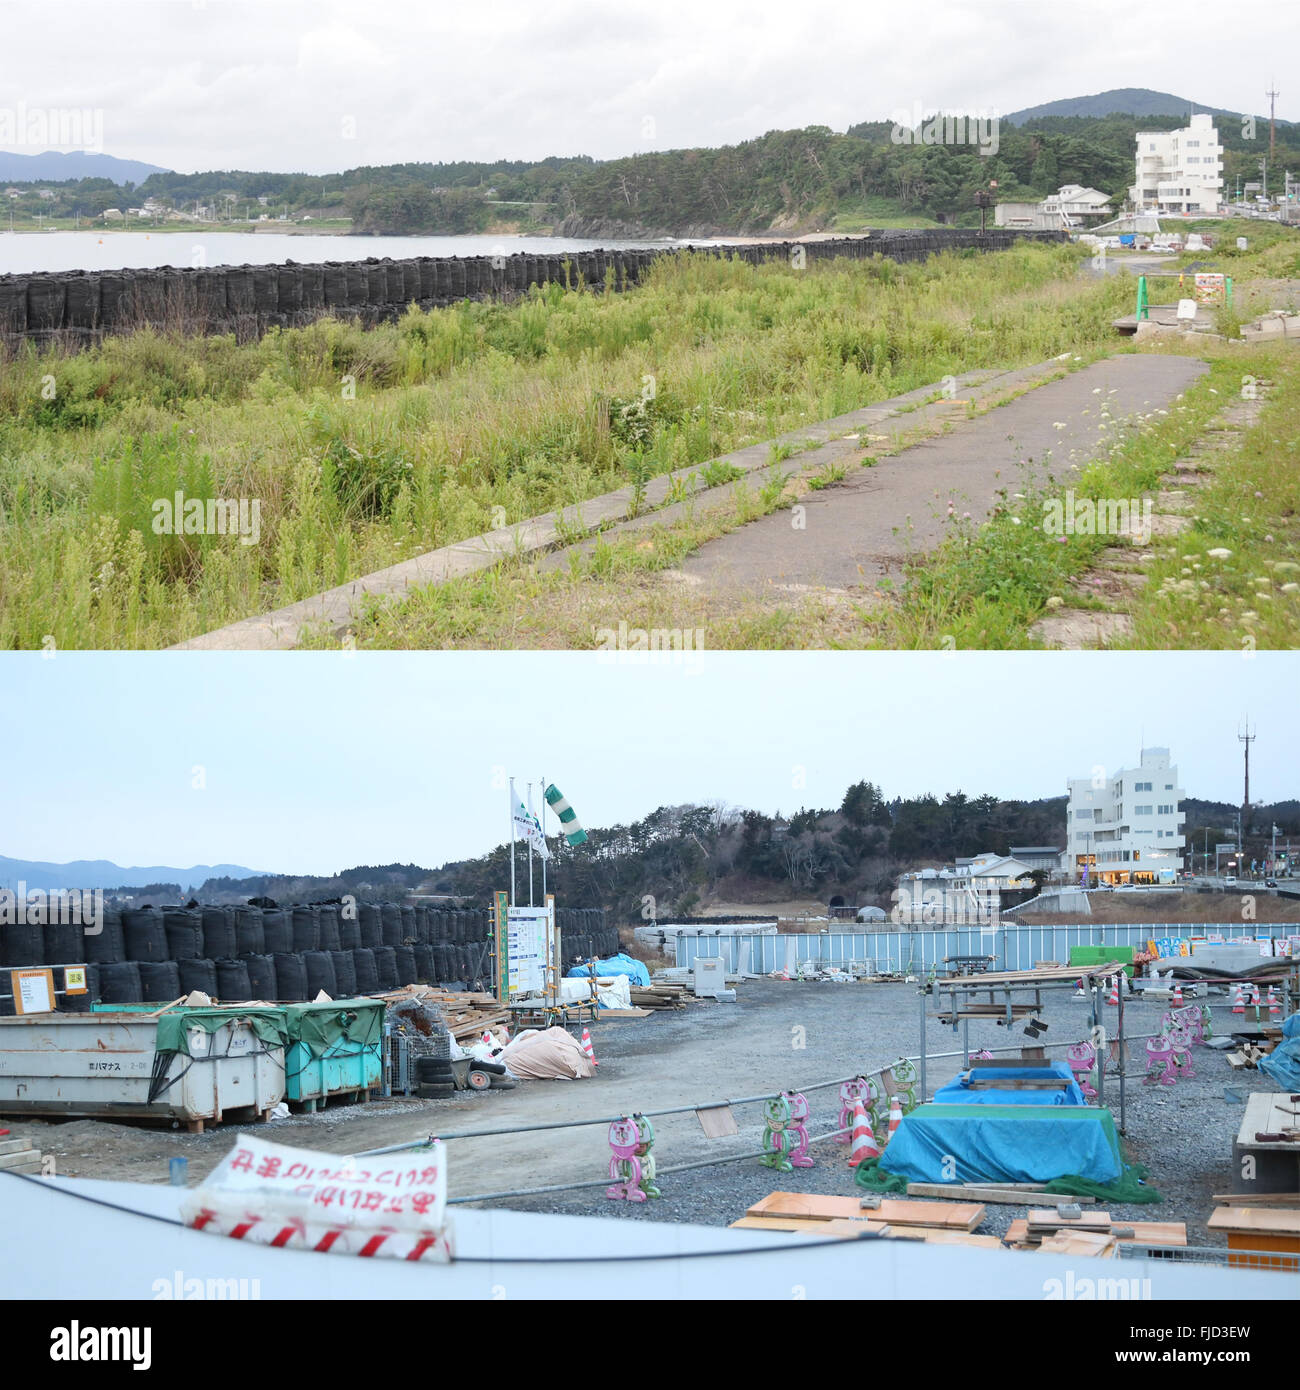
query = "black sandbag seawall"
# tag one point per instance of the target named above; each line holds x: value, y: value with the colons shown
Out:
x: 82, y: 306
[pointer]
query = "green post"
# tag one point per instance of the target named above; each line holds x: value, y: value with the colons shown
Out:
x: 1227, y: 281
x: 1142, y: 311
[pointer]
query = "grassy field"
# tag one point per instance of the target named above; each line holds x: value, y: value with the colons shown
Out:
x: 364, y: 447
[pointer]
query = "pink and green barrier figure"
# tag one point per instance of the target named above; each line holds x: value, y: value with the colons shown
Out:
x: 625, y: 1166
x: 646, y: 1157
x: 799, y: 1155
x: 860, y: 1088
x: 776, y: 1116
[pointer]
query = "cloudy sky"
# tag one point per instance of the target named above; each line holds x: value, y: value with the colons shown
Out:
x: 331, y: 84
x: 317, y: 762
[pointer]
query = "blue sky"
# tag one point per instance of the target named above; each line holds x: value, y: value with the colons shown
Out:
x: 315, y: 762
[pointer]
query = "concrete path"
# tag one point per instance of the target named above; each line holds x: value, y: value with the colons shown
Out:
x: 858, y: 531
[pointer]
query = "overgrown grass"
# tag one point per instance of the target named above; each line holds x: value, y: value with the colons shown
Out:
x: 364, y: 447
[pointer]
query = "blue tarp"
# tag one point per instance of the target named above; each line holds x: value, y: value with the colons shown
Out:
x: 621, y: 964
x: 989, y: 1143
x: 959, y: 1092
x: 1283, y: 1065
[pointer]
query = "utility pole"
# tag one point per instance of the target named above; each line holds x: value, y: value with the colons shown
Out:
x: 1245, y: 740
x: 1272, y: 123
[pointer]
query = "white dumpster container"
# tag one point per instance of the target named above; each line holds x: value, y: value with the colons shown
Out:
x: 104, y: 1065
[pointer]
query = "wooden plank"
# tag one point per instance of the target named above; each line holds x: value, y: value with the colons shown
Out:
x: 1257, y: 1199
x: 792, y: 1225
x: 717, y: 1121
x: 1140, y: 1232
x: 973, y: 1192
x: 1254, y: 1220
x: 21, y: 1158
x: 1048, y: 1219
x: 626, y: 1013
x: 1100, y: 1244
x: 897, y: 1211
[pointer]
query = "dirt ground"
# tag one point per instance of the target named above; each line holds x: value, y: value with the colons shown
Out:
x: 776, y: 1036
x: 1178, y: 907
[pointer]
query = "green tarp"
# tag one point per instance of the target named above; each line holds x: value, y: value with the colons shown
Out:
x: 174, y: 1026
x: 321, y: 1027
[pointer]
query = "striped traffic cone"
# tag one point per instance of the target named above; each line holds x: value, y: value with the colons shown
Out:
x: 1239, y: 1003
x: 1178, y: 995
x: 1254, y: 999
x: 864, y: 1140
x: 1274, y: 1004
x: 588, y: 1051
x: 1113, y: 996
x: 895, y: 1118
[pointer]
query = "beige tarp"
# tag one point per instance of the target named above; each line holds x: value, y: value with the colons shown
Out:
x: 546, y: 1055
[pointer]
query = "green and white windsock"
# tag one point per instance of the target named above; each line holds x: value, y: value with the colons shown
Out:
x: 573, y: 831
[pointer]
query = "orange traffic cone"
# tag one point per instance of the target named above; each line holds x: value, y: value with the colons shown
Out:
x: 588, y: 1051
x: 1254, y: 999
x: 895, y: 1118
x: 1239, y: 1003
x: 864, y: 1140
x: 1274, y: 1004
x: 1113, y: 996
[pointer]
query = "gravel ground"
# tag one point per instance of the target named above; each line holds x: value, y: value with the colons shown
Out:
x: 776, y: 1036
x: 1183, y: 1134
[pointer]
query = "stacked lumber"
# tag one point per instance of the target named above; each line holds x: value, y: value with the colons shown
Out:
x: 994, y: 1194
x: 892, y: 1211
x: 659, y: 996
x: 1029, y: 1233
x: 19, y: 1156
x: 467, y: 1014
x: 1248, y: 1055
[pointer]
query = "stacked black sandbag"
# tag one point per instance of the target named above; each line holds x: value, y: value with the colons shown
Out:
x: 386, y: 967
x: 218, y: 932
x: 183, y: 928
x: 329, y: 927
x: 142, y: 928
x: 232, y: 981
x: 404, y: 957
x: 390, y: 917
x: 424, y: 967
x: 320, y: 973
x: 345, y: 974
x: 410, y: 929
x: 119, y: 982
x: 107, y: 944
x: 160, y: 981
x: 290, y: 975
x: 21, y: 943
x: 198, y: 974
x: 306, y: 928
x: 349, y: 928
x: 62, y: 943
x: 249, y: 940
x: 371, y: 923
x: 261, y: 976
x: 277, y: 931
x: 367, y: 977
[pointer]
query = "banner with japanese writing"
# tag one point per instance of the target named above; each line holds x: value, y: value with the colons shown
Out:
x: 394, y: 1205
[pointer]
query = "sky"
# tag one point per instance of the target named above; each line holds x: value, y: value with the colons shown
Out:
x: 316, y: 762
x: 324, y: 85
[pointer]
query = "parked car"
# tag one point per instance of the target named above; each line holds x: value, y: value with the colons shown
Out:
x: 1270, y: 883
x: 1230, y: 881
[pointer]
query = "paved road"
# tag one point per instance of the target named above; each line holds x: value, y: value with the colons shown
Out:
x: 858, y: 532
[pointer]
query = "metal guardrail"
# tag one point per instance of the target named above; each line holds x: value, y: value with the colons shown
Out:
x: 1216, y: 1256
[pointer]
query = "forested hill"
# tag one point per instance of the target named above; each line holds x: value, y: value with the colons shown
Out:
x: 682, y: 857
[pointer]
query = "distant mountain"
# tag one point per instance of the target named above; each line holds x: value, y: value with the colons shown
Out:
x: 79, y: 164
x: 103, y: 873
x: 1122, y: 101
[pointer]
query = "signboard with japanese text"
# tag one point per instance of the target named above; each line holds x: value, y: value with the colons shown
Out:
x: 394, y: 1205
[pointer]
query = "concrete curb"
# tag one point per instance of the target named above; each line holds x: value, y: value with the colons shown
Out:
x: 337, y: 608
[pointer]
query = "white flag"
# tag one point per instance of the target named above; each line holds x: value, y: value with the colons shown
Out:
x: 539, y: 844
x: 523, y: 824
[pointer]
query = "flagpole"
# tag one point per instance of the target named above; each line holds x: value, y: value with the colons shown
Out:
x: 544, y: 857
x: 511, y: 795
x: 530, y: 852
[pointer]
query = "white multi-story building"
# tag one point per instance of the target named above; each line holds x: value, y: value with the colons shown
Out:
x: 1179, y: 170
x: 1127, y: 828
